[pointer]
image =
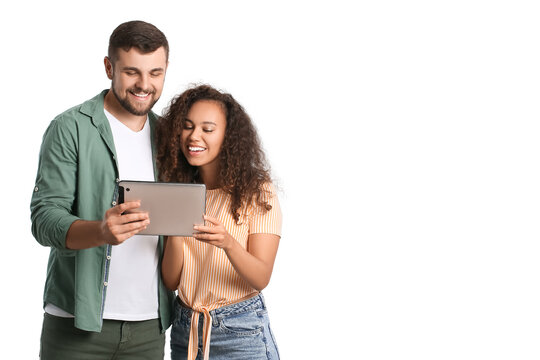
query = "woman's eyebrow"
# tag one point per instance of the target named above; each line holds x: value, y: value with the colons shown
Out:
x: 204, y: 122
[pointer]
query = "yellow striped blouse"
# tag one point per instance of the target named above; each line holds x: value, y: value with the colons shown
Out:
x: 208, y: 279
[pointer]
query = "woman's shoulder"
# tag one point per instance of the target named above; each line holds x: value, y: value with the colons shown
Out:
x: 266, y: 199
x: 269, y: 187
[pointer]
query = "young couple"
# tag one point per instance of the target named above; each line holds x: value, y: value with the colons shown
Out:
x: 109, y: 292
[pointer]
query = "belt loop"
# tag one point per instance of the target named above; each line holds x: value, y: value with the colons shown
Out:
x: 215, y: 321
x: 125, y: 332
x: 262, y: 301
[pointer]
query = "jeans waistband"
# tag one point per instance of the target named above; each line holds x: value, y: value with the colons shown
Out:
x: 253, y: 303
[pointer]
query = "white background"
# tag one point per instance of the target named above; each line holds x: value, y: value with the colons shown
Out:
x: 404, y: 135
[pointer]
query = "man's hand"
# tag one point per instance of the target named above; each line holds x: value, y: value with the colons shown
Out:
x: 121, y: 222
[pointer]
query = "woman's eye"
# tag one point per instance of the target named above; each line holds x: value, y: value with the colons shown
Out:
x: 208, y: 130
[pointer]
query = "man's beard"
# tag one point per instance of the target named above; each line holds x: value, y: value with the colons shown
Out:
x: 129, y: 107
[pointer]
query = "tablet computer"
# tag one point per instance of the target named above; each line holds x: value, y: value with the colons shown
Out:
x: 173, y: 207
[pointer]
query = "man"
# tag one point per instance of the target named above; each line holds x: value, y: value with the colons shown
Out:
x: 103, y: 293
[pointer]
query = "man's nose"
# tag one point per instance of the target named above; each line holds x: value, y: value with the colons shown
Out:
x: 143, y: 82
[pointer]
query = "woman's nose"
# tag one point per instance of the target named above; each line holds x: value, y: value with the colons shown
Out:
x: 195, y: 134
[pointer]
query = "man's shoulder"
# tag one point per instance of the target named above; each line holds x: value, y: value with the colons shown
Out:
x: 82, y: 111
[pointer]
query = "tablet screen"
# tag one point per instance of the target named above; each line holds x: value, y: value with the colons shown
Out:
x: 173, y: 207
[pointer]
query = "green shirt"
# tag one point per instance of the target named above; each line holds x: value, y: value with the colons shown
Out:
x: 77, y: 179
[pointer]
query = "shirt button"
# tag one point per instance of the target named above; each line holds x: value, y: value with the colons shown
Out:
x: 114, y: 203
x: 108, y: 257
x: 105, y: 283
x: 117, y: 180
x: 36, y: 188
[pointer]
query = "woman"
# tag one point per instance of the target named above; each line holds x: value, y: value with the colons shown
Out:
x: 206, y: 137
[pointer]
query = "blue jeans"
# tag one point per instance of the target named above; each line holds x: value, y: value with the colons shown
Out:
x: 239, y: 331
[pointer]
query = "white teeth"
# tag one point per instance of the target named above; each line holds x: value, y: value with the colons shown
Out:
x: 141, y: 95
x: 196, y: 148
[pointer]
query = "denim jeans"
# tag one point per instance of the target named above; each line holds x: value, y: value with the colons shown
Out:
x: 239, y: 331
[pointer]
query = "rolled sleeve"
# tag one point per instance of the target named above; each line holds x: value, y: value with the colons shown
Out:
x: 54, y: 191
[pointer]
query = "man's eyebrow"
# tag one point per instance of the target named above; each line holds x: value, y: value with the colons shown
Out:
x: 132, y: 68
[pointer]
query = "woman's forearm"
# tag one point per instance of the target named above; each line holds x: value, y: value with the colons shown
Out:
x: 256, y: 263
x: 173, y: 260
x: 253, y: 264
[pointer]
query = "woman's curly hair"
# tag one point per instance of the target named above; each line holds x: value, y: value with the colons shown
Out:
x: 243, y: 167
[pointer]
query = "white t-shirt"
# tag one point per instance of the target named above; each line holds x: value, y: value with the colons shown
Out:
x: 132, y: 289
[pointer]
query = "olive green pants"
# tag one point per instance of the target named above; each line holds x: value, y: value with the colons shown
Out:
x: 133, y: 340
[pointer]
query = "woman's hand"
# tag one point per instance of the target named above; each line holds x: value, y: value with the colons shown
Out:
x: 214, y: 235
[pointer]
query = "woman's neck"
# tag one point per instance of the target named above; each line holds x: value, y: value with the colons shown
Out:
x: 209, y: 177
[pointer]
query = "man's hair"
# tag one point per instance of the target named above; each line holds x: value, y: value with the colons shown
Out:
x: 142, y: 35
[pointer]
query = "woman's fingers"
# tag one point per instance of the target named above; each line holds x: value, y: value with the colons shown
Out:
x: 205, y: 229
x: 212, y: 220
x: 215, y: 235
x: 204, y: 236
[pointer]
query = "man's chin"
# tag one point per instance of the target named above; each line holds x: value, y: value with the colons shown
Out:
x: 138, y: 111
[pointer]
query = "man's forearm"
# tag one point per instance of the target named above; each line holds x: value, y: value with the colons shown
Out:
x: 118, y: 225
x: 83, y: 234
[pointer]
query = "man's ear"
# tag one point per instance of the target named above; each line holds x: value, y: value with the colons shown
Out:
x: 108, y: 67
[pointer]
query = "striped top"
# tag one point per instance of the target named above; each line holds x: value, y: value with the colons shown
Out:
x: 208, y: 280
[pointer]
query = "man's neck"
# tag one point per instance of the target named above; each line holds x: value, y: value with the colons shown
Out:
x: 134, y: 122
